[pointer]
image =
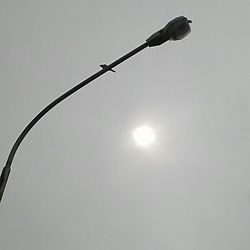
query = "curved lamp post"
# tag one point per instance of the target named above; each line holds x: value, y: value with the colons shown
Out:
x: 176, y: 29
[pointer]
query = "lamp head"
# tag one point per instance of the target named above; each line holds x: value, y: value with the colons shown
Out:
x: 176, y: 29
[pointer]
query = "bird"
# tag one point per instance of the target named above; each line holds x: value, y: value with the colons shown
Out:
x: 104, y: 66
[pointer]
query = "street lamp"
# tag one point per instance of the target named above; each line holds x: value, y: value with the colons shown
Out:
x: 176, y: 29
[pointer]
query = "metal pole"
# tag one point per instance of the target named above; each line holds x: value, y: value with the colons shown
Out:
x: 6, y: 170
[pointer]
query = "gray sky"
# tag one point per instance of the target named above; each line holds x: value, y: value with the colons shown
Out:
x: 78, y: 180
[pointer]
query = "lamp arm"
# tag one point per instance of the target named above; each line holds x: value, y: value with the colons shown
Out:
x: 6, y: 170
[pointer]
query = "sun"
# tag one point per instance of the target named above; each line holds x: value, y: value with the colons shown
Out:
x: 144, y: 136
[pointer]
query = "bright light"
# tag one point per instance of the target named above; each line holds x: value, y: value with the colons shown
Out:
x: 144, y: 136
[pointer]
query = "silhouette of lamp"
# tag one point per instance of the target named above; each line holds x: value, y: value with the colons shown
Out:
x: 176, y: 29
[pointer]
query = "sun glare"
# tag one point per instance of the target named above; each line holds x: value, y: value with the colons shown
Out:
x: 144, y: 136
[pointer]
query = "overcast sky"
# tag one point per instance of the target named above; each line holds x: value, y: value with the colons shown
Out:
x: 79, y: 181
